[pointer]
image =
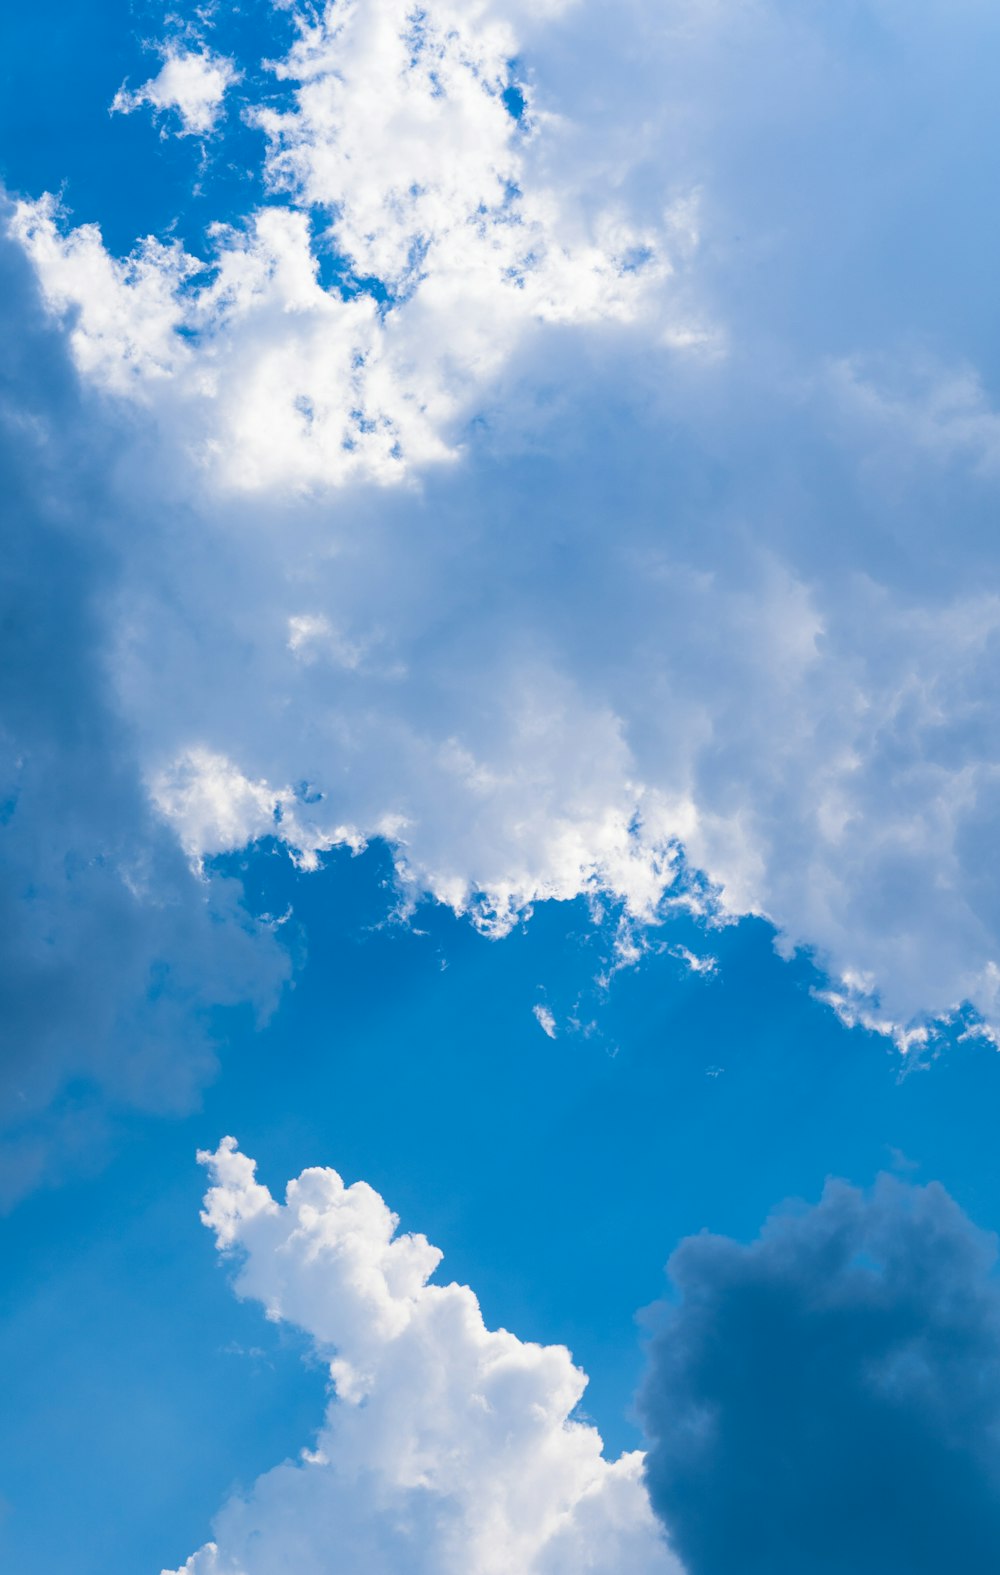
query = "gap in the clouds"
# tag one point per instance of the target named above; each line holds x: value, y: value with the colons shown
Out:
x: 557, y: 1174
x: 514, y: 95
x: 57, y: 133
x: 334, y: 271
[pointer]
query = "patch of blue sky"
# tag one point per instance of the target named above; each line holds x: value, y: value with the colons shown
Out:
x: 514, y: 97
x: 129, y: 173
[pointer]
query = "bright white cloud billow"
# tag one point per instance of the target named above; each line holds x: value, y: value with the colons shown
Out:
x: 632, y: 491
x: 191, y: 82
x: 447, y: 1448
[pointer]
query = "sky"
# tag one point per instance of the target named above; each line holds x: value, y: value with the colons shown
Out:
x: 499, y: 612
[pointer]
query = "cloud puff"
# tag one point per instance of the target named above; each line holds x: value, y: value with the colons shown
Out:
x: 545, y: 1019
x: 191, y: 82
x: 447, y: 1447
x: 114, y: 952
x: 583, y: 483
x: 828, y: 1398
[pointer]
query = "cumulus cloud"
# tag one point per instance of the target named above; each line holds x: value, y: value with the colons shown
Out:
x: 191, y: 82
x: 828, y: 1397
x: 114, y: 952
x: 430, y: 197
x: 448, y: 1448
x: 582, y: 491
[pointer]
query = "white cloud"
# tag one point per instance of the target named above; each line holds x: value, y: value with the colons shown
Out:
x: 545, y: 1020
x: 400, y: 142
x: 513, y: 577
x: 191, y: 82
x: 447, y: 1448
x: 691, y: 960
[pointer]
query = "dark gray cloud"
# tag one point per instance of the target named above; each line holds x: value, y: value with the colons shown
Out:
x: 826, y: 1400
x: 114, y: 954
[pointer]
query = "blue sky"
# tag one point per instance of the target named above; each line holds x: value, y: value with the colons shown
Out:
x: 500, y: 623
x: 559, y: 1175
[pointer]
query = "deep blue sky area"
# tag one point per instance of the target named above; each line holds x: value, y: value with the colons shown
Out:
x: 57, y: 134
x: 556, y: 1175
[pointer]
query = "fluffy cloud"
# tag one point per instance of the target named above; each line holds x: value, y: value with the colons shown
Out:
x: 590, y: 480
x: 828, y: 1398
x: 191, y: 82
x: 114, y: 952
x: 447, y: 1447
x: 401, y: 148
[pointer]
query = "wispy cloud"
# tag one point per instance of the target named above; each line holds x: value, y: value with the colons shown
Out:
x: 545, y: 1020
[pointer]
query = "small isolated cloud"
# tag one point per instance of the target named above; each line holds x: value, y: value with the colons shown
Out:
x: 448, y: 1448
x: 545, y: 1020
x: 828, y: 1398
x: 703, y: 963
x: 191, y: 82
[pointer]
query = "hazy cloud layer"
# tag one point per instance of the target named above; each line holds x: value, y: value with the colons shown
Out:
x: 114, y: 951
